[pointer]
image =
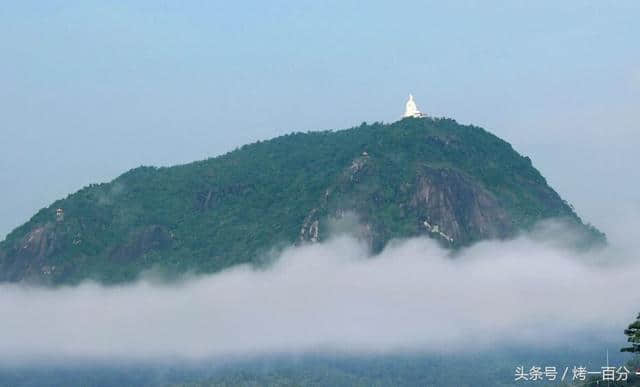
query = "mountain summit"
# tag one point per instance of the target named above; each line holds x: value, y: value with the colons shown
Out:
x: 419, y: 176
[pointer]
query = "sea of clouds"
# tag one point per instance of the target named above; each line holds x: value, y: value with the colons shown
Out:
x: 534, y: 290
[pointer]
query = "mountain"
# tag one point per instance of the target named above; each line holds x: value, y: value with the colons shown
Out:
x: 419, y: 176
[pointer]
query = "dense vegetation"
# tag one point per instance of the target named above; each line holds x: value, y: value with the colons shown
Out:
x: 633, y: 337
x: 208, y: 215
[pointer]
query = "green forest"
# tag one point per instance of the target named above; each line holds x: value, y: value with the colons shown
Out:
x: 238, y: 207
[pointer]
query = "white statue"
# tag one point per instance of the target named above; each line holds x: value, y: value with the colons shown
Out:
x: 411, y: 109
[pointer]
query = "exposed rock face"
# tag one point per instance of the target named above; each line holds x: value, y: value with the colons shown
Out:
x: 445, y: 204
x: 329, y: 206
x: 458, y: 207
x: 309, y: 232
x: 40, y: 242
x: 356, y: 166
x: 33, y: 258
x: 30, y: 254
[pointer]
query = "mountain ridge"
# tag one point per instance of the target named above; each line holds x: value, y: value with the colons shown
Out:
x: 418, y: 176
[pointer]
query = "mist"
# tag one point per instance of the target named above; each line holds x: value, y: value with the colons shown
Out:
x: 532, y: 291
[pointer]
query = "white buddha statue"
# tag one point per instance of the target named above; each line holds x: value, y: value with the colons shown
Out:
x: 411, y: 109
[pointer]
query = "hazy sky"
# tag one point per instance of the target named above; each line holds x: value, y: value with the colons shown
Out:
x: 91, y: 89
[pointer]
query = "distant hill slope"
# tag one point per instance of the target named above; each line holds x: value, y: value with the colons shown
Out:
x: 455, y: 183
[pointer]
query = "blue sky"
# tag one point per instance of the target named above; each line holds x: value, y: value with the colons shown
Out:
x: 91, y: 89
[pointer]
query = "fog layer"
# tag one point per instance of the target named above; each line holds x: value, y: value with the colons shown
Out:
x: 414, y: 296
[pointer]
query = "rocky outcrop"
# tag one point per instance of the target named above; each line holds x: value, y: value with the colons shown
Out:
x: 310, y: 229
x: 33, y: 258
x: 28, y: 257
x: 444, y: 204
x: 458, y: 209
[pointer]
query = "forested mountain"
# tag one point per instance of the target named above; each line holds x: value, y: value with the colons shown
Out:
x: 418, y: 176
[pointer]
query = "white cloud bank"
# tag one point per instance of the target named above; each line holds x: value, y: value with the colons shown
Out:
x: 333, y: 296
